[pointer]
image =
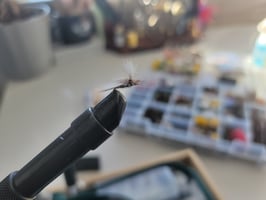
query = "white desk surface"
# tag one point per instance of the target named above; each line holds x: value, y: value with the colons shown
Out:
x: 35, y: 112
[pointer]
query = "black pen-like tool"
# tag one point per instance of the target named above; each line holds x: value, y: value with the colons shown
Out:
x: 86, y: 133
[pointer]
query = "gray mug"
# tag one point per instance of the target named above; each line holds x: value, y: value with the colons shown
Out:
x: 26, y: 47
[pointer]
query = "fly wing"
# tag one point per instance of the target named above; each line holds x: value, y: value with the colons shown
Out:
x: 130, y: 68
x: 123, y: 83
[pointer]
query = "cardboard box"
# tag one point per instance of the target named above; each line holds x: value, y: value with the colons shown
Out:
x: 187, y: 157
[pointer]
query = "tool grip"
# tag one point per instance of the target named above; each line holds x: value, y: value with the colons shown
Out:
x: 6, y: 190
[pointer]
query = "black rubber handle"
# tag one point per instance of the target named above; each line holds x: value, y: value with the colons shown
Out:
x: 86, y: 133
x: 7, y: 191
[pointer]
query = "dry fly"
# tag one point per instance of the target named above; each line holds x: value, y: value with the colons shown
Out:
x: 125, y: 83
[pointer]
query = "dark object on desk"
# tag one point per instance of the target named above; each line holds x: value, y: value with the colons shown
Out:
x: 72, y: 21
x: 75, y: 29
x: 228, y: 80
x: 70, y: 178
x: 90, y: 163
x: 154, y: 115
x: 86, y: 133
x: 135, y: 25
x: 184, y: 100
x: 83, y: 164
x: 162, y: 96
x: 211, y: 90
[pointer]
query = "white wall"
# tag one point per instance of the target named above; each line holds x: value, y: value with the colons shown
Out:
x: 239, y: 11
